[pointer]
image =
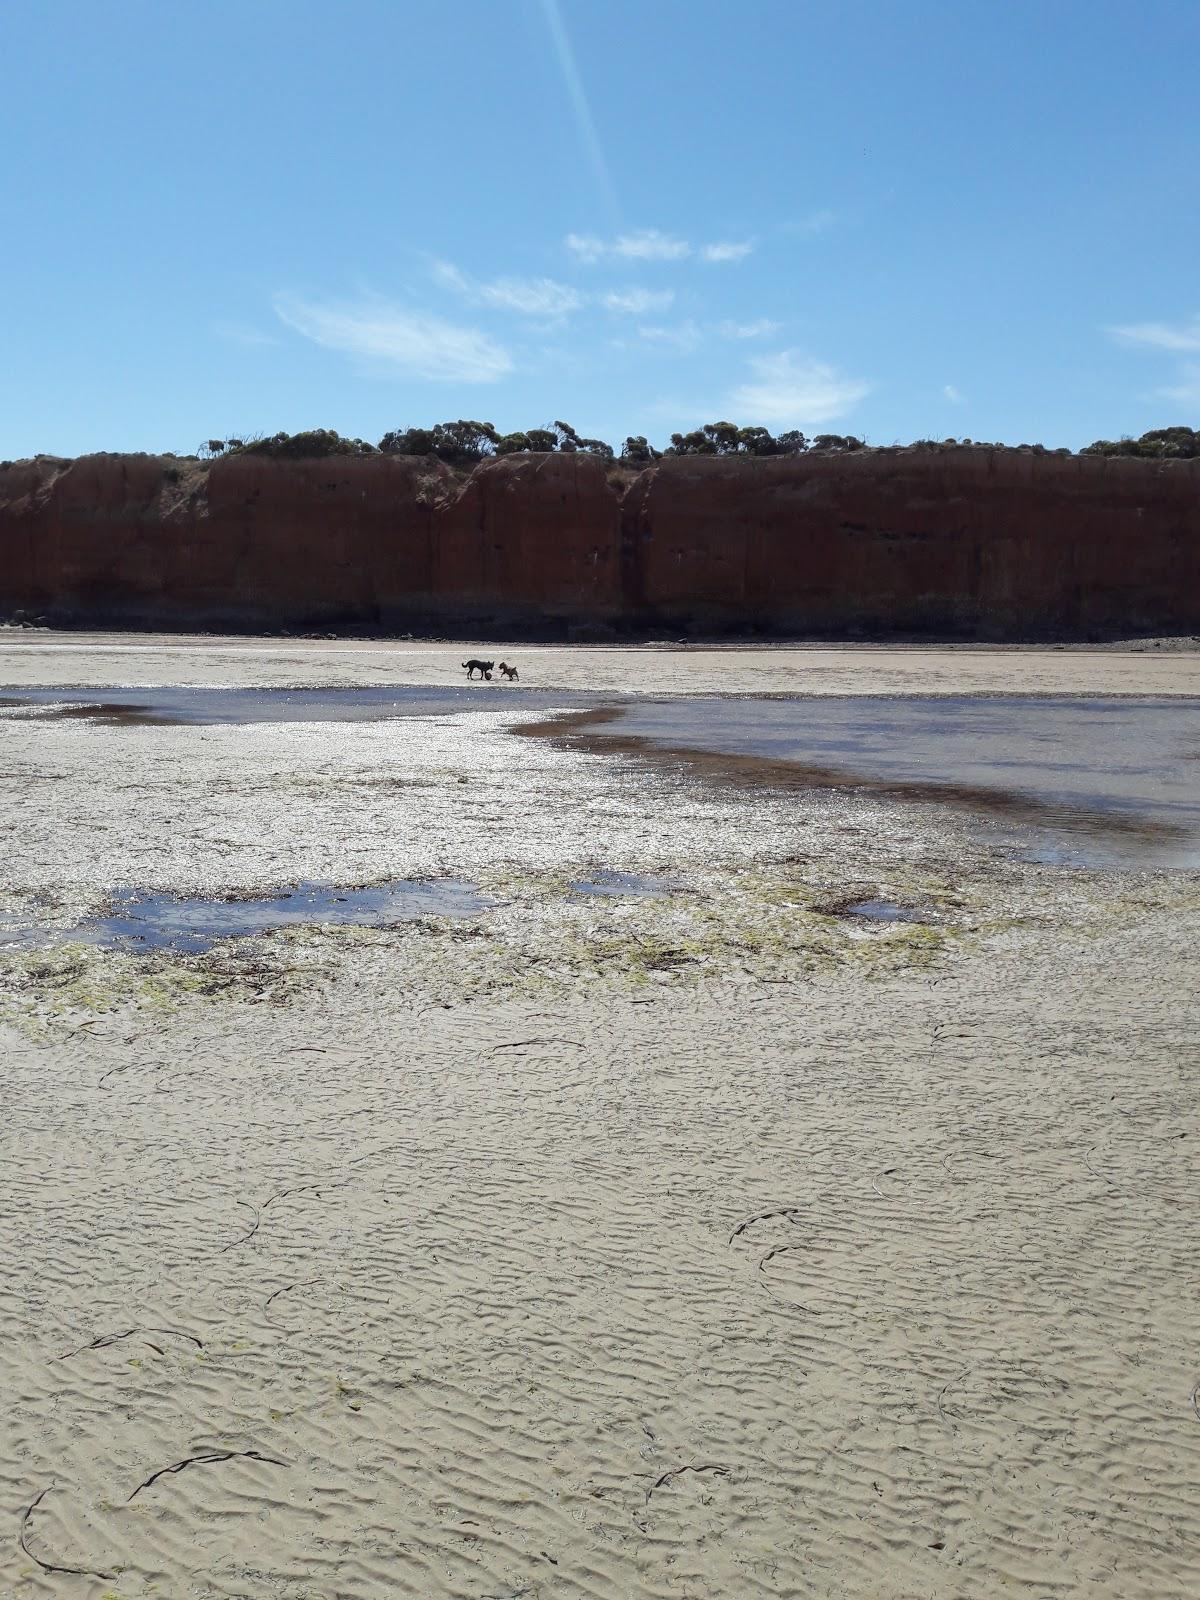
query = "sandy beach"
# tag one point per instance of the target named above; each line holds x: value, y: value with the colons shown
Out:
x: 682, y: 1233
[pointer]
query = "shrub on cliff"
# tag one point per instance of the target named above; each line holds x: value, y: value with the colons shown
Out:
x: 315, y: 442
x: 465, y: 444
x: 569, y: 442
x: 726, y: 439
x: 705, y: 441
x: 791, y: 444
x: 1162, y: 444
x: 836, y: 441
x: 757, y: 442
x: 458, y: 444
x: 542, y: 439
x: 638, y: 451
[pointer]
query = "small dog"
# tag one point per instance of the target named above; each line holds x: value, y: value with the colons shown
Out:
x: 484, y: 668
x: 510, y: 673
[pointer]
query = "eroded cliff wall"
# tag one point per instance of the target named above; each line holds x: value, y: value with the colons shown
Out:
x: 991, y: 542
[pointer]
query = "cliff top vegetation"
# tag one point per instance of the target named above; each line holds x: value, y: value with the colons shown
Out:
x: 464, y: 444
x: 1163, y: 444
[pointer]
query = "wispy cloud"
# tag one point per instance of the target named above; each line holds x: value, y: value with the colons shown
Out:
x: 238, y: 333
x: 638, y: 301
x: 748, y: 330
x: 790, y: 387
x: 815, y: 222
x: 1187, y: 391
x: 728, y: 250
x: 452, y: 277
x: 955, y: 396
x: 1181, y: 336
x: 586, y: 247
x: 533, y: 297
x: 683, y: 336
x: 530, y: 297
x: 394, y: 336
x: 648, y: 244
x: 580, y: 108
x: 651, y: 245
x: 1178, y: 338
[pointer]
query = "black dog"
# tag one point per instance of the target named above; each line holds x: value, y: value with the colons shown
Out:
x: 484, y: 668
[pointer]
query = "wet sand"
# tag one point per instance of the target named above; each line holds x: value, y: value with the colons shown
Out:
x: 705, y: 1242
x: 36, y: 656
x: 1089, y: 782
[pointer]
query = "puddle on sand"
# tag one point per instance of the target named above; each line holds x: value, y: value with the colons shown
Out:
x: 103, y: 713
x: 1107, y: 783
x: 611, y: 883
x: 883, y: 911
x: 192, y: 925
x: 206, y: 707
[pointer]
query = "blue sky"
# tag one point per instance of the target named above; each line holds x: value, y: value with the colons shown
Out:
x: 898, y: 220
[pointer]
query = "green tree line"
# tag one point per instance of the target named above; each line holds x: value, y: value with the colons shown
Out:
x: 465, y: 443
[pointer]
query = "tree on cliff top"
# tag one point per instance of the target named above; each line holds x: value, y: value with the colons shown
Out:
x: 726, y: 439
x: 836, y: 441
x: 637, y: 450
x: 314, y: 443
x: 458, y: 444
x: 569, y: 442
x: 464, y: 444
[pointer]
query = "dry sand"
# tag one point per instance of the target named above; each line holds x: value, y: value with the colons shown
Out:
x: 697, y: 1247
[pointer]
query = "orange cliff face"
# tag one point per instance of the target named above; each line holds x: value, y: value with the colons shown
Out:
x: 979, y: 539
x: 966, y: 539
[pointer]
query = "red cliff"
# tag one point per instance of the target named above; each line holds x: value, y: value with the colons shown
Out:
x: 964, y: 539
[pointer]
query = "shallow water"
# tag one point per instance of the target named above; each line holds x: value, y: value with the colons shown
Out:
x: 610, y: 883
x: 152, y: 921
x: 172, y: 706
x: 1062, y: 781
x: 1072, y: 782
x: 884, y: 911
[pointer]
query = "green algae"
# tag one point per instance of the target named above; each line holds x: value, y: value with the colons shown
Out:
x: 777, y: 922
x: 46, y: 994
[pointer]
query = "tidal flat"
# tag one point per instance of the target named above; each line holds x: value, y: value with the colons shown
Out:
x: 612, y: 1208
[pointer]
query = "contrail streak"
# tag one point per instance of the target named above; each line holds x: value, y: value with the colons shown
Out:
x: 577, y: 95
